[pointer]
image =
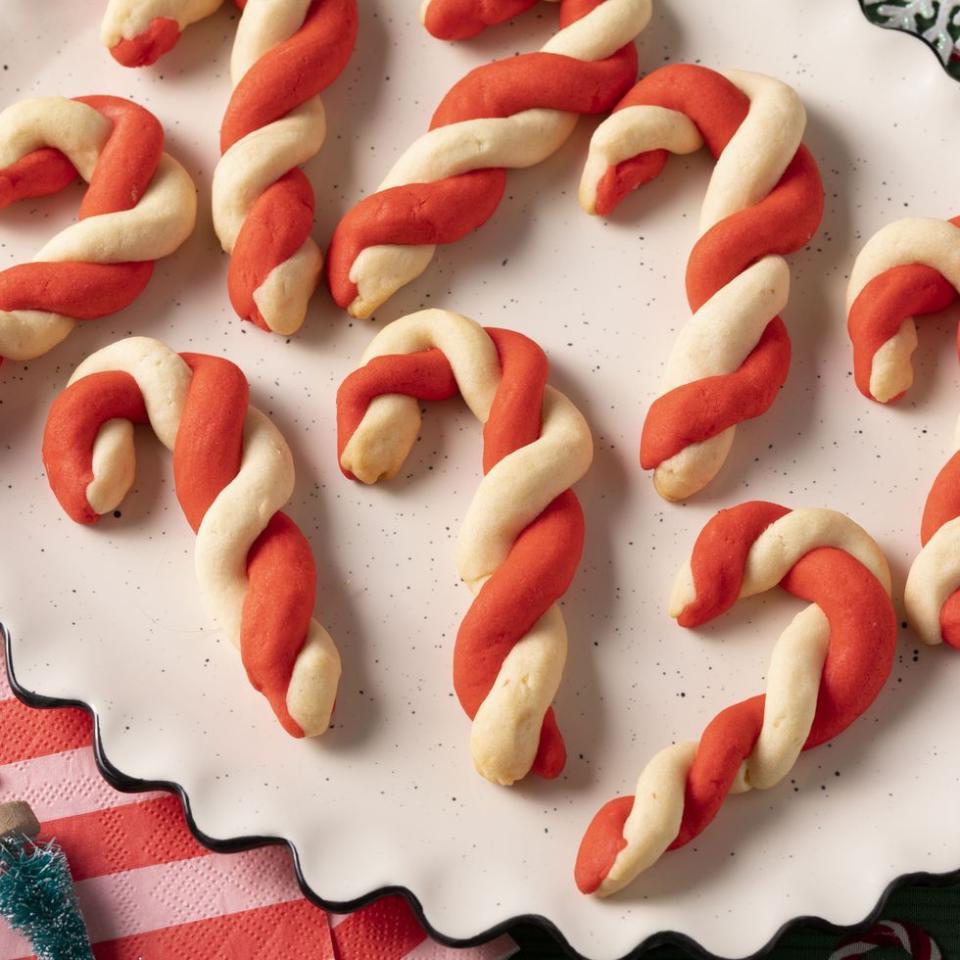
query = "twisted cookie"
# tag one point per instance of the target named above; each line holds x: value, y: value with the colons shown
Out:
x: 285, y: 53
x: 765, y: 199
x: 826, y: 669
x: 140, y: 205
x: 461, y: 19
x: 911, y: 268
x: 233, y: 471
x: 511, y: 113
x: 522, y: 537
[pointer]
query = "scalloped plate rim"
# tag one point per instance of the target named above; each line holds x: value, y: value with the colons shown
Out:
x: 128, y: 784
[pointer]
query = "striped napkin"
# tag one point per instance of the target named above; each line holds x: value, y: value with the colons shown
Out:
x: 149, y: 890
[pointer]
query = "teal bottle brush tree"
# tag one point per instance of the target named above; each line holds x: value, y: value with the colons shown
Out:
x: 36, y: 890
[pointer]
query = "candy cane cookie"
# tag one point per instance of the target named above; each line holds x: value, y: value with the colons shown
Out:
x: 140, y: 205
x: 461, y: 19
x: 233, y: 471
x: 765, y: 199
x: 908, y: 269
x: 285, y: 53
x: 522, y: 536
x: 826, y: 669
x: 508, y: 114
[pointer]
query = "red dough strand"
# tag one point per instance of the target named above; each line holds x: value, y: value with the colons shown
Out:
x: 943, y: 501
x: 281, y: 570
x: 462, y: 19
x: 280, y: 220
x: 542, y: 562
x: 38, y: 174
x: 781, y: 223
x: 293, y: 71
x: 704, y: 408
x: 446, y: 210
x: 601, y: 844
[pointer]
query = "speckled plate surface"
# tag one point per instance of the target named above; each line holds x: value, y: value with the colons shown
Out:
x: 110, y: 615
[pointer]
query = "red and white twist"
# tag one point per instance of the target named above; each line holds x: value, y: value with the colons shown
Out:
x: 765, y: 199
x: 140, y: 205
x: 511, y: 113
x: 907, y: 269
x: 233, y: 472
x: 826, y: 669
x: 285, y: 54
x: 522, y: 536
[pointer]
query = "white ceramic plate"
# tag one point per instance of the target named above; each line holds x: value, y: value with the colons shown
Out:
x: 111, y: 616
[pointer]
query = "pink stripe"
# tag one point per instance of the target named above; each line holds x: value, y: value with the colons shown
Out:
x: 12, y: 945
x: 497, y: 949
x: 63, y: 785
x: 151, y: 898
x: 136, y: 901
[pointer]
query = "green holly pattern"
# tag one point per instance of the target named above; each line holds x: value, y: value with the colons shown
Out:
x: 935, y: 21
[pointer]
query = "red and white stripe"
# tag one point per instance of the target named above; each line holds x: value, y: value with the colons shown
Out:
x: 914, y: 940
x: 149, y: 889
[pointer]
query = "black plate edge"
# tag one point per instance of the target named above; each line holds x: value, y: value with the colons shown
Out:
x: 907, y: 33
x: 127, y: 784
